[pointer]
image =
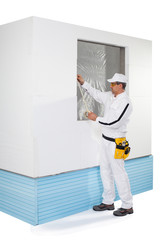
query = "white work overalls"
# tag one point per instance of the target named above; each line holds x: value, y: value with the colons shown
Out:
x: 117, y: 111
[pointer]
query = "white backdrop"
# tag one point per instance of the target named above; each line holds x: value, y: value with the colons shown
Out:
x: 135, y: 18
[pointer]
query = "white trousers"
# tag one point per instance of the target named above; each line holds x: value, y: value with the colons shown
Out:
x: 113, y: 169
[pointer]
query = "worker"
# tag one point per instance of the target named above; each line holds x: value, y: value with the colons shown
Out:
x: 117, y: 110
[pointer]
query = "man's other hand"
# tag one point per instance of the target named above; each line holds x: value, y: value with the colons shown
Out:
x: 80, y: 79
x: 92, y: 116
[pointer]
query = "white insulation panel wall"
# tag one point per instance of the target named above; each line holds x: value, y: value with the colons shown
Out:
x: 39, y: 131
x: 16, y: 87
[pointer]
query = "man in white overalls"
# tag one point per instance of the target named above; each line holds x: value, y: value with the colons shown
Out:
x: 117, y: 111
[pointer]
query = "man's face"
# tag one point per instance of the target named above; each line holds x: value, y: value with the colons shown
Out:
x: 116, y: 88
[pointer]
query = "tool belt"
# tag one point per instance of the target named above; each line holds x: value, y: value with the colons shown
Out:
x: 122, y: 147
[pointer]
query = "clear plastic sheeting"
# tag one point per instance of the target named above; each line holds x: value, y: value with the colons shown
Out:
x: 96, y: 63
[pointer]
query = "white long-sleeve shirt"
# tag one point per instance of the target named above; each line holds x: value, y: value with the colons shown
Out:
x: 117, y: 111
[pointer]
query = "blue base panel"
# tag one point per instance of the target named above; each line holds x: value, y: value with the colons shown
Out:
x: 40, y: 200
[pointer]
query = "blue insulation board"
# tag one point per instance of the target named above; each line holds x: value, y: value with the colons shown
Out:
x: 18, y: 196
x: 45, y: 199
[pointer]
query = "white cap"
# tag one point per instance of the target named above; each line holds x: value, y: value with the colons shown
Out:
x: 118, y: 77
